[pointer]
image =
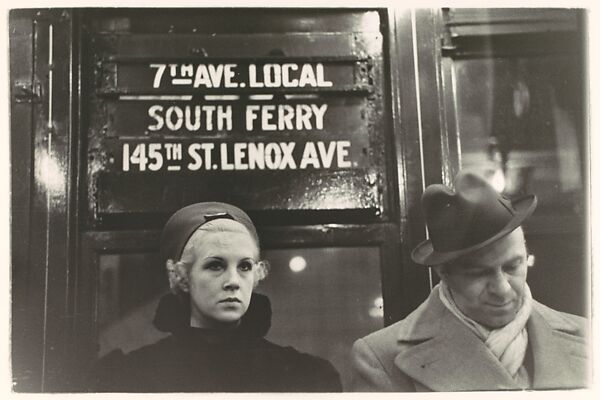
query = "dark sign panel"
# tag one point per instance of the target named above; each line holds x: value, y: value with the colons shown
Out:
x: 268, y: 121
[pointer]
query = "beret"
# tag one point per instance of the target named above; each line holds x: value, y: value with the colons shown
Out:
x: 180, y: 227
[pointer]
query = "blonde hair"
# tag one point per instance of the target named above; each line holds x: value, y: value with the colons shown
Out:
x: 178, y: 271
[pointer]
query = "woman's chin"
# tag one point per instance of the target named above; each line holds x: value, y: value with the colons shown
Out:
x: 229, y: 317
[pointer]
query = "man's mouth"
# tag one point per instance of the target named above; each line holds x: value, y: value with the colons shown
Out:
x: 500, y: 305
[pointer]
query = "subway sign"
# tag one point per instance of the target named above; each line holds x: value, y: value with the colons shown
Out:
x: 237, y: 117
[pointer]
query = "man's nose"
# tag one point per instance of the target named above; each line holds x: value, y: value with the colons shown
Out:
x: 499, y: 284
x: 232, y: 279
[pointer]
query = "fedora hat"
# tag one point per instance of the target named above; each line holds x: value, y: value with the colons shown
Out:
x: 467, y: 218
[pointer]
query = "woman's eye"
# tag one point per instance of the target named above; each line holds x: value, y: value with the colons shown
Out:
x: 214, y: 266
x: 245, y: 266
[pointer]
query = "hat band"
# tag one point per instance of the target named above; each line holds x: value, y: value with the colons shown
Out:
x: 220, y: 215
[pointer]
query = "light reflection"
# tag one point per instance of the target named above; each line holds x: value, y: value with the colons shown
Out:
x: 50, y: 174
x: 297, y: 264
x: 376, y: 311
x: 498, y: 181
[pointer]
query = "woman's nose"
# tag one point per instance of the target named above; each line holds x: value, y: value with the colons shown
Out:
x: 232, y: 280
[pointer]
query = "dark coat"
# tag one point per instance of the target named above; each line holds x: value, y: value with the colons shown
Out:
x: 431, y: 350
x: 200, y: 360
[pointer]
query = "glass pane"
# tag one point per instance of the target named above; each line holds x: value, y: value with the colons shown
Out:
x: 129, y: 288
x: 324, y: 299
x: 519, y: 123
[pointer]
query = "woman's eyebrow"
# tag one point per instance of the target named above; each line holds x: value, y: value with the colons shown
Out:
x: 217, y: 258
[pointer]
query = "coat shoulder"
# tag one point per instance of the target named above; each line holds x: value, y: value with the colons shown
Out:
x: 562, y: 321
x: 385, y: 339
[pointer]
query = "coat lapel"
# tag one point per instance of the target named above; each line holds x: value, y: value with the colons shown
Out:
x: 452, y: 358
x: 559, y: 356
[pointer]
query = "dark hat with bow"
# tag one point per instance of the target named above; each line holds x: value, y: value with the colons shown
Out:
x: 467, y: 218
x: 180, y: 227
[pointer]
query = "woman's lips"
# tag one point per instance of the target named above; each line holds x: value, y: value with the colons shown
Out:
x: 231, y: 300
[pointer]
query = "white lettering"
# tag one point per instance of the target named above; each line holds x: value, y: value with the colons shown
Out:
x: 303, y: 114
x: 160, y: 69
x: 266, y: 116
x: 209, y: 117
x: 224, y: 117
x: 229, y: 75
x: 285, y: 75
x: 256, y: 155
x: 342, y: 153
x: 307, y: 76
x: 202, y: 77
x: 153, y: 112
x: 272, y: 75
x: 193, y: 116
x: 309, y: 156
x: 238, y: 156
x: 216, y: 73
x: 285, y: 116
x: 188, y: 119
x: 225, y: 165
x: 252, y: 77
x: 251, y: 115
x: 272, y: 155
x: 321, y: 82
x: 174, y: 126
x: 287, y: 159
x: 193, y: 152
x: 326, y: 154
x: 319, y: 112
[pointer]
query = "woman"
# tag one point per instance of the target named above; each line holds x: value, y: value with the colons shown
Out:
x: 211, y: 251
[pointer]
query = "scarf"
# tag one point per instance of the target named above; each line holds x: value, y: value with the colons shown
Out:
x: 508, y: 343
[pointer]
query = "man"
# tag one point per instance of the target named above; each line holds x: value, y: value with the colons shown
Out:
x: 479, y: 329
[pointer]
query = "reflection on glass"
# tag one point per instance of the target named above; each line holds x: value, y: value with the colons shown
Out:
x: 519, y: 123
x: 129, y: 288
x: 334, y: 300
x: 297, y: 264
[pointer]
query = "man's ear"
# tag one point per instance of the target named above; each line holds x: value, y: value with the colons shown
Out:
x: 178, y: 276
x: 530, y: 260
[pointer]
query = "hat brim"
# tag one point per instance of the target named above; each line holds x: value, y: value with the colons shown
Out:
x: 425, y: 254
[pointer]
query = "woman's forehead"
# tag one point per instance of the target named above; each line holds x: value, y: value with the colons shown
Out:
x: 224, y: 239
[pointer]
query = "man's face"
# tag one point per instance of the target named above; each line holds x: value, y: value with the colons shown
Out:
x: 487, y: 285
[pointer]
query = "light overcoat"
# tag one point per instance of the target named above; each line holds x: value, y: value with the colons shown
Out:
x: 431, y: 350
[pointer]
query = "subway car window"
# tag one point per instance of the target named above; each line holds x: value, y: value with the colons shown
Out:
x: 345, y: 300
x: 519, y: 120
x: 524, y: 129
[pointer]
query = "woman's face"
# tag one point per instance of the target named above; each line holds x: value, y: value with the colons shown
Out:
x: 221, y: 278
